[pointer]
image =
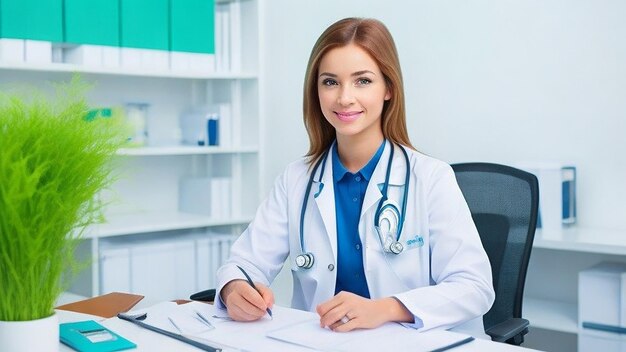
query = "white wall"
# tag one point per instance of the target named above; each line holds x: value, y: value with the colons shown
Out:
x: 497, y: 81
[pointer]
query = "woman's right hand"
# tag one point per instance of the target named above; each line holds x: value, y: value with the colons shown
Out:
x: 243, y: 302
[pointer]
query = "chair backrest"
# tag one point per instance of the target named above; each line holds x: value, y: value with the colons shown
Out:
x: 504, y: 203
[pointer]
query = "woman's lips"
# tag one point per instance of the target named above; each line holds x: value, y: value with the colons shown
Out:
x: 348, y: 116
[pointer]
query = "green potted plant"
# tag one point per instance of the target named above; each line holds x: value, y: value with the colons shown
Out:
x: 53, y: 162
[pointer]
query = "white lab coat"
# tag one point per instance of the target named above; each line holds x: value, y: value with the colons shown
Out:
x: 444, y: 283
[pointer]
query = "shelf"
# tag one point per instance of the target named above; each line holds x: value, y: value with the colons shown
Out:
x: 551, y: 315
x: 588, y: 240
x: 120, y: 225
x: 184, y: 150
x: 120, y: 71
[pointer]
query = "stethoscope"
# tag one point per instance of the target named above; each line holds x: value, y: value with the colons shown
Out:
x: 388, y: 220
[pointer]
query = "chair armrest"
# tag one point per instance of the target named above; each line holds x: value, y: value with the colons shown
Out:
x: 205, y: 296
x: 508, y: 329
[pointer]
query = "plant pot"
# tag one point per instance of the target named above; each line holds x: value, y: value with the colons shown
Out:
x: 41, y: 335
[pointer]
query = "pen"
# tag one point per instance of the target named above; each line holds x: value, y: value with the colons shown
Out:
x: 269, y: 311
x: 176, y: 326
x: 204, y: 319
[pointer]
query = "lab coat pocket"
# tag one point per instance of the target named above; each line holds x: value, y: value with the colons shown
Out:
x: 396, y: 273
x: 304, y: 287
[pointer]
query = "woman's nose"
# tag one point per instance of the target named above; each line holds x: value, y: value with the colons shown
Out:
x: 346, y: 96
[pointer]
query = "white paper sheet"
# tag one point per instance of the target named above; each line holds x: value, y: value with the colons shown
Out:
x: 289, y: 330
x: 231, y: 335
x: 389, y: 337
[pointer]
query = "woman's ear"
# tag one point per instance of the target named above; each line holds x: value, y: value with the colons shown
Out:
x: 388, y: 94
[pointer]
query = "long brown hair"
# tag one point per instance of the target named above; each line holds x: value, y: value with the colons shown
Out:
x: 372, y: 36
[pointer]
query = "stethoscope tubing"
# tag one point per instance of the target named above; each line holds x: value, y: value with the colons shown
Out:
x: 322, y: 162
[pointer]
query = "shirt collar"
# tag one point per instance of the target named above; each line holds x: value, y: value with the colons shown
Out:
x: 339, y: 171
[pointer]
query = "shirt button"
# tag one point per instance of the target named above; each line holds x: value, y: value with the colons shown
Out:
x: 331, y: 267
x: 355, y: 199
x: 357, y: 179
x: 358, y: 246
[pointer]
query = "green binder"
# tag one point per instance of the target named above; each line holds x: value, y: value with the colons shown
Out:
x: 145, y: 24
x: 92, y: 22
x: 192, y: 27
x: 32, y: 19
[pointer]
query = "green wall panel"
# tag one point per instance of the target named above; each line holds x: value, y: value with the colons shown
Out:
x: 145, y: 24
x: 32, y: 19
x: 192, y: 26
x: 92, y: 22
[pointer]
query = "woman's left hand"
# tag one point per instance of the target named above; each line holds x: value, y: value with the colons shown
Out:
x: 347, y: 311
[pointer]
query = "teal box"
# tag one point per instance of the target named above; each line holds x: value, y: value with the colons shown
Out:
x: 92, y: 337
x: 145, y: 24
x: 92, y: 22
x: 32, y: 19
x: 192, y: 27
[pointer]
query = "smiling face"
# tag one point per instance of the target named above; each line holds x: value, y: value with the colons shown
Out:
x: 352, y: 92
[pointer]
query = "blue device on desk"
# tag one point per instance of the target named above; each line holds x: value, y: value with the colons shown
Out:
x: 89, y: 336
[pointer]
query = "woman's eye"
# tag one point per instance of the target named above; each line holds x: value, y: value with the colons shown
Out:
x: 329, y: 82
x: 363, y: 81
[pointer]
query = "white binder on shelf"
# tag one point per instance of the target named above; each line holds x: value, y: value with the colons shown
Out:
x: 557, y: 194
x: 220, y: 198
x: 195, y: 195
x: 222, y: 37
x: 83, y: 55
x: 37, y: 51
x: 12, y: 50
x: 235, y: 36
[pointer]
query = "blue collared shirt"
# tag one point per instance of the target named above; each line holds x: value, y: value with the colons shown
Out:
x: 349, y: 193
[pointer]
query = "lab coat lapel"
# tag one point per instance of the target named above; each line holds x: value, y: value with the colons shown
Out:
x: 326, y: 205
x: 373, y: 194
x: 398, y: 168
x: 396, y: 178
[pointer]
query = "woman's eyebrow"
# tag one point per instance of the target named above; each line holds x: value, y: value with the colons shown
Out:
x: 357, y: 73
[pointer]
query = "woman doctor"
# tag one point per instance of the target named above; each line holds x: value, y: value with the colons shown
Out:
x: 373, y: 230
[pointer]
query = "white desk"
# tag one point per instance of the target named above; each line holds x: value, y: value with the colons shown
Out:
x: 149, y: 341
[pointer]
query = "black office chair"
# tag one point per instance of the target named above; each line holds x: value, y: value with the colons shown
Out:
x: 504, y: 202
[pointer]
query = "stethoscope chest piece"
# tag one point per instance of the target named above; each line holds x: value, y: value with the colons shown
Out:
x: 396, y: 247
x: 305, y: 260
x: 388, y: 221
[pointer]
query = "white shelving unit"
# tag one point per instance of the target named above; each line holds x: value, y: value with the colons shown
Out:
x: 185, y: 150
x: 143, y: 205
x: 158, y: 221
x: 551, y: 295
x: 64, y: 68
x: 588, y: 240
x: 551, y: 314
